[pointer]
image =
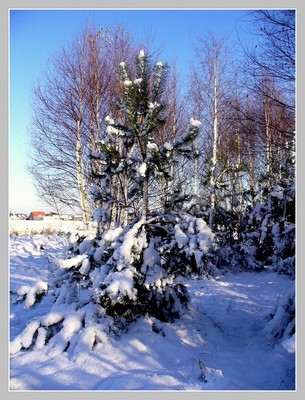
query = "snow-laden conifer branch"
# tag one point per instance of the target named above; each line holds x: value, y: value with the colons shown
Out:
x: 111, y: 280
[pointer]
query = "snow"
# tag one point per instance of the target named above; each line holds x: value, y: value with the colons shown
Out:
x: 41, y: 339
x: 85, y: 268
x: 152, y: 146
x: 289, y: 344
x: 86, y: 244
x: 112, y: 235
x: 39, y: 288
x: 23, y: 290
x: 71, y: 325
x: 142, y: 169
x: 151, y: 267
x: 180, y: 237
x: 27, y: 334
x: 21, y: 227
x: 141, y: 54
x: 121, y: 284
x: 109, y: 120
x: 71, y: 262
x: 111, y: 130
x: 138, y: 81
x: 220, y: 343
x: 195, y: 122
x: 168, y: 146
x: 52, y: 318
x: 127, y: 83
x: 279, y: 324
x: 150, y: 257
x: 153, y: 105
x: 123, y: 254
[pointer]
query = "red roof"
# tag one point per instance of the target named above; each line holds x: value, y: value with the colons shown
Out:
x: 38, y: 213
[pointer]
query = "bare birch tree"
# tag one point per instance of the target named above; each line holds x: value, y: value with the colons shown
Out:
x: 273, y: 51
x: 269, y: 76
x: 69, y: 105
x: 211, y: 84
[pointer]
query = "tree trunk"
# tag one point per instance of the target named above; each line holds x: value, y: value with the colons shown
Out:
x: 214, y: 156
x: 80, y: 176
x: 145, y: 198
x: 125, y: 195
x: 268, y: 136
x: 196, y: 170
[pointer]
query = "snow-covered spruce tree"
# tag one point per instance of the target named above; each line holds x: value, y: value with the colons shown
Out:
x: 130, y: 159
x: 268, y: 235
x: 133, y: 268
x: 281, y: 324
x: 272, y: 219
x: 114, y: 278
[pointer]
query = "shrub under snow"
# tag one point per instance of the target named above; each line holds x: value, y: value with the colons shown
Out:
x: 113, y: 279
x: 282, y: 321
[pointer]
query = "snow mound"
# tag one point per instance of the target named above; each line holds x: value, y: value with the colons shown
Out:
x: 289, y: 344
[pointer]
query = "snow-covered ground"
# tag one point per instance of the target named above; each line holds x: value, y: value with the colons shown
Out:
x: 21, y: 227
x: 221, y: 343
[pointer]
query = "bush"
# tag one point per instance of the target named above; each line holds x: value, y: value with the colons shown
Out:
x: 114, y: 278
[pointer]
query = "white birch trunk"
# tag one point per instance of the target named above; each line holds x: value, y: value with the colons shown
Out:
x: 214, y: 154
x: 268, y: 136
x: 80, y: 175
x: 125, y: 194
x: 196, y: 169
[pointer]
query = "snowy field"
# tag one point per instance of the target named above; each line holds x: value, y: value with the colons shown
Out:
x: 21, y: 227
x: 221, y: 343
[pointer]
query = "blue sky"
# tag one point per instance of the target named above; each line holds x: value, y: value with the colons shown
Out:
x: 37, y: 34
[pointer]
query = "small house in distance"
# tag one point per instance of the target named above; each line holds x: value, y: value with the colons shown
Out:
x: 36, y: 215
x: 19, y: 216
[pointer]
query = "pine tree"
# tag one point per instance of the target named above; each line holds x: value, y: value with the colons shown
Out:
x: 268, y: 236
x: 130, y: 157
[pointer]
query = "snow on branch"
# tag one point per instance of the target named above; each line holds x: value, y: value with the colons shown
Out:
x: 32, y: 294
x: 195, y: 123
